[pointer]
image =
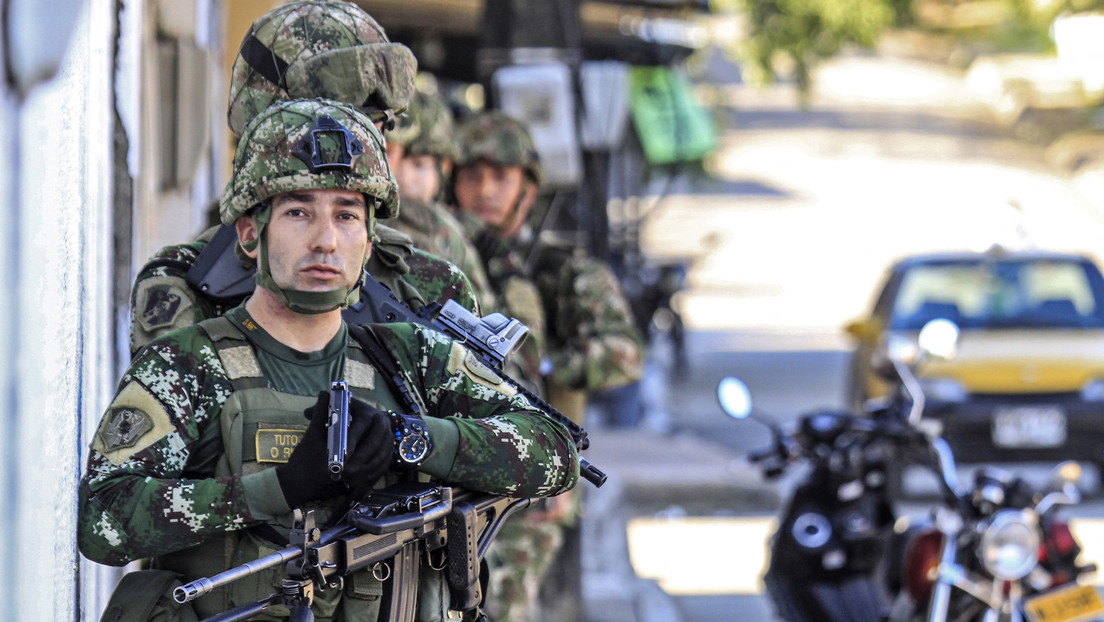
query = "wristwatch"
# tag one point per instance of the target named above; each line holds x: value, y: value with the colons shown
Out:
x: 412, y: 444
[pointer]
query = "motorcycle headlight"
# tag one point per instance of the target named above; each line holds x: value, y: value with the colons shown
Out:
x: 944, y: 390
x: 1010, y: 545
x: 1093, y: 391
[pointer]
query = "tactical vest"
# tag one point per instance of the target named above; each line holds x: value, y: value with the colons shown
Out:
x: 259, y: 427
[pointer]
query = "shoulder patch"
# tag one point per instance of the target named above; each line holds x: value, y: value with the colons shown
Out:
x: 125, y: 425
x: 133, y: 422
x: 463, y: 360
x: 160, y: 301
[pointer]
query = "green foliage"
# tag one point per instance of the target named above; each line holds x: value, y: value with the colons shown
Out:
x: 791, y: 36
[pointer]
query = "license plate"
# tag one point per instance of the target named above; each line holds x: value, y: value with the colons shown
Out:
x: 1029, y: 426
x: 1073, y: 603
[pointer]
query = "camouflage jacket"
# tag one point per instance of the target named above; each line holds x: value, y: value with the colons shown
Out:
x: 592, y: 340
x: 516, y: 294
x: 436, y: 231
x: 149, y: 488
x: 162, y: 300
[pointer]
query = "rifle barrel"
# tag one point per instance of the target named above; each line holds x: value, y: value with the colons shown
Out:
x: 199, y: 587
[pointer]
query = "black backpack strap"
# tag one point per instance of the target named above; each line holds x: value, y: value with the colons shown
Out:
x: 218, y: 272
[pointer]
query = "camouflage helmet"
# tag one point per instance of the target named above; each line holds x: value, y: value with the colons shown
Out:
x: 427, y: 128
x: 307, y: 145
x: 500, y: 139
x: 330, y: 49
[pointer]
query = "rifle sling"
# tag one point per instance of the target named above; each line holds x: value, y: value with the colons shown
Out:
x: 379, y: 357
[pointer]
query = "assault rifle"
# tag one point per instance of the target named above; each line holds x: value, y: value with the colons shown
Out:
x: 491, y: 338
x: 219, y: 274
x: 388, y: 532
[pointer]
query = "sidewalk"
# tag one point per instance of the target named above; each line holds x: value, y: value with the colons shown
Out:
x: 649, y: 471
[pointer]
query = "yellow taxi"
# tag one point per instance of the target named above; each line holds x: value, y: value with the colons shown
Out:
x: 1027, y: 382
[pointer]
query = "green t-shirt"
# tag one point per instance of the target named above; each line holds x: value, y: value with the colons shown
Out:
x: 288, y: 369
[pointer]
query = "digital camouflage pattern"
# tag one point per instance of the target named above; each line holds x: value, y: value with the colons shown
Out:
x: 592, y: 340
x: 305, y: 145
x: 497, y: 137
x: 517, y: 297
x: 149, y: 490
x: 414, y: 276
x: 519, y: 559
x: 437, y: 232
x: 433, y: 279
x: 319, y: 48
x: 427, y: 128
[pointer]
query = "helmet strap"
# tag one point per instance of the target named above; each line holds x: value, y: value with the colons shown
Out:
x: 511, y: 224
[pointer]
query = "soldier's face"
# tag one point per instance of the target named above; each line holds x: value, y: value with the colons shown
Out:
x: 491, y: 192
x: 317, y: 239
x: 418, y: 176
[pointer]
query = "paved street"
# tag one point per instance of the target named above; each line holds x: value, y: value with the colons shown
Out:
x: 785, y: 243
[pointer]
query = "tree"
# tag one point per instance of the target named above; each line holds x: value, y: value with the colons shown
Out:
x: 791, y: 36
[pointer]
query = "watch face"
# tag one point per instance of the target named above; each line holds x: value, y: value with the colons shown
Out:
x: 413, y: 449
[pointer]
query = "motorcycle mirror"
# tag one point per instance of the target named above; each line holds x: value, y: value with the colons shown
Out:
x: 1064, y: 474
x: 1063, y: 489
x: 735, y: 398
x: 901, y: 349
x: 939, y: 339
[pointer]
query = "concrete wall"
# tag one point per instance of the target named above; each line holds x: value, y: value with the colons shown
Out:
x: 83, y: 204
x: 57, y: 346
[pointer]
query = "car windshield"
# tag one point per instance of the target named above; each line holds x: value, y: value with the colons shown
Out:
x: 1006, y: 293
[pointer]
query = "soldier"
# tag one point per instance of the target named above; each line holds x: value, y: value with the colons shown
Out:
x: 205, y: 450
x: 515, y: 291
x: 305, y: 48
x: 591, y: 340
x: 420, y: 151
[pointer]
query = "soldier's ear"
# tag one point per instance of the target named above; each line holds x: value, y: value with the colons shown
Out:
x: 247, y: 234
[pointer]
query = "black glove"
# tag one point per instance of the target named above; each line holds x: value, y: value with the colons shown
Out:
x: 371, y: 447
x: 305, y: 476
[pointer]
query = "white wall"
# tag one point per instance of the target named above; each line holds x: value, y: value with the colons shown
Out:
x: 62, y: 348
x: 62, y: 337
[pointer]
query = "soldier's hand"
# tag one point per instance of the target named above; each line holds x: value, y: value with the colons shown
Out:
x: 305, y: 476
x: 371, y: 447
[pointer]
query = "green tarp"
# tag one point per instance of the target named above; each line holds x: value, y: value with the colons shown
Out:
x: 671, y: 125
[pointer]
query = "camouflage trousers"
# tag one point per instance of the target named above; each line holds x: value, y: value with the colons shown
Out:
x: 518, y: 559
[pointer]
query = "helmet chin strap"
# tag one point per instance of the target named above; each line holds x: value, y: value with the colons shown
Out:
x: 513, y: 213
x: 299, y: 301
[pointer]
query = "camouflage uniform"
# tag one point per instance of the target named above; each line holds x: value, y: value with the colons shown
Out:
x: 426, y: 129
x: 176, y: 471
x: 162, y: 300
x: 591, y: 343
x: 516, y: 296
x: 304, y: 49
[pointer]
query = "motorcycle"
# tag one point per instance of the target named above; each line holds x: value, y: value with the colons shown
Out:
x: 826, y: 552
x: 997, y: 552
